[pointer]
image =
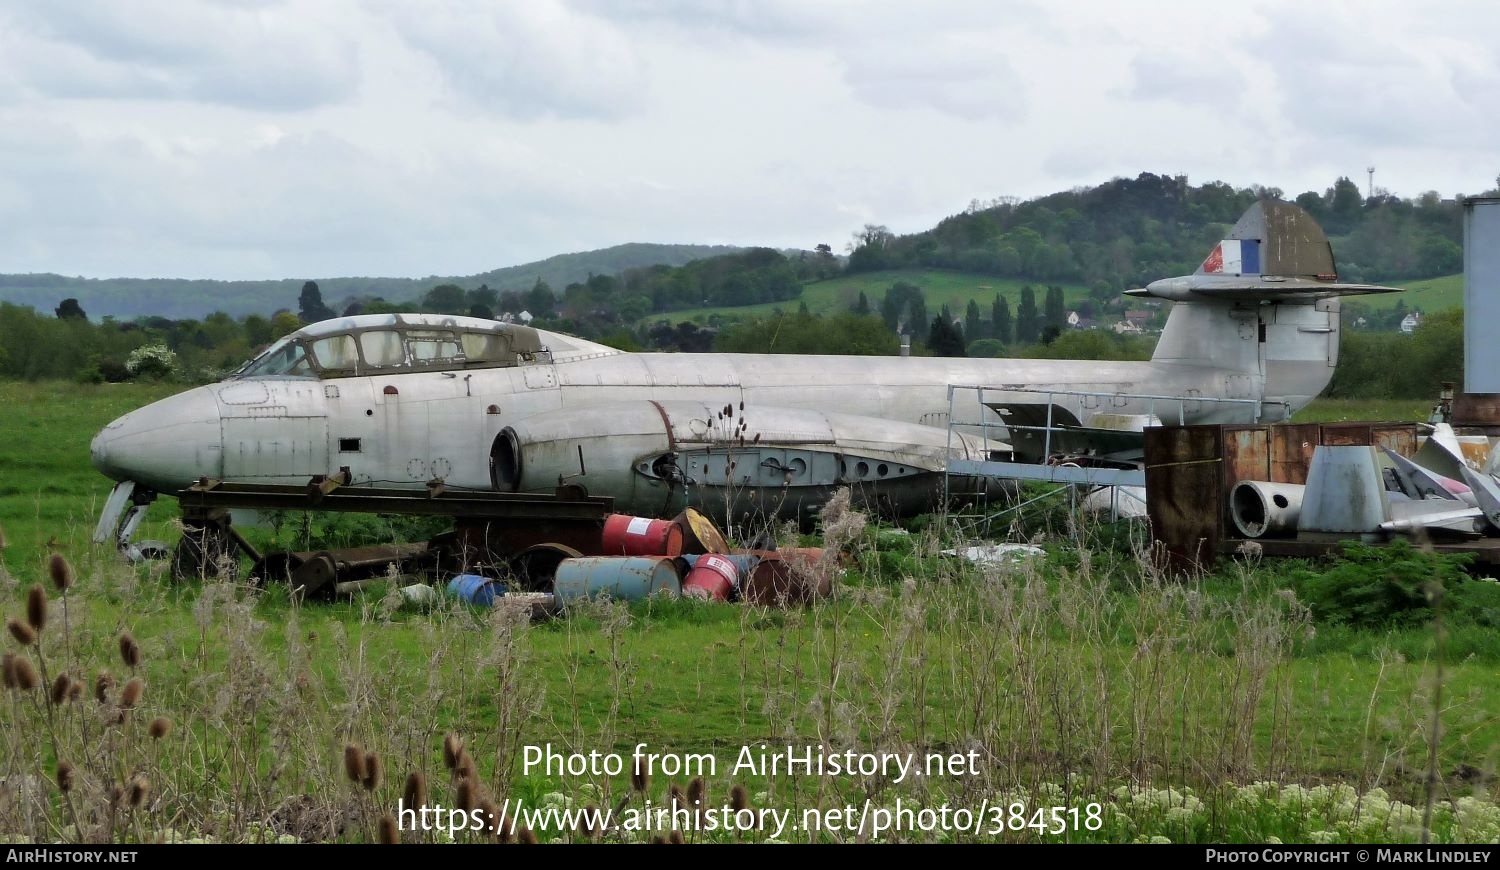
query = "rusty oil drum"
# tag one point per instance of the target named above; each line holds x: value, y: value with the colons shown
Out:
x: 710, y: 576
x: 625, y: 535
x: 784, y: 578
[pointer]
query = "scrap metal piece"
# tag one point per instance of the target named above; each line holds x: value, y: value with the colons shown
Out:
x: 1433, y: 515
x: 114, y: 509
x: 1262, y: 509
x: 1424, y: 483
x: 1487, y: 492
x: 1441, y: 452
x: 1345, y: 493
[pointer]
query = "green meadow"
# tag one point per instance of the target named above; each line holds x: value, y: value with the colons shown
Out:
x: 835, y: 295
x: 1213, y: 708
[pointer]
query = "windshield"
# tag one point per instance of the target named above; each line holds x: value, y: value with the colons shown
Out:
x: 284, y: 358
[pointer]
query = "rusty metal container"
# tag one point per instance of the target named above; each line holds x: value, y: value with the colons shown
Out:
x: 625, y: 535
x: 628, y: 578
x: 699, y: 534
x: 785, y: 580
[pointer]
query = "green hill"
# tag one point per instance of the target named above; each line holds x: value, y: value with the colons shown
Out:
x: 941, y: 287
x: 128, y: 298
x: 1429, y: 295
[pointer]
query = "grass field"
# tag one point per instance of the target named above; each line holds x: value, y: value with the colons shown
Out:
x: 942, y: 287
x: 1081, y: 678
x: 1385, y: 410
x: 1429, y: 295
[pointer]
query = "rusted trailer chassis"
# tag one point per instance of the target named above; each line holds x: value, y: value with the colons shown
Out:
x: 489, y: 528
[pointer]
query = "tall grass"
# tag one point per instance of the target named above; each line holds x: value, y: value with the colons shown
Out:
x: 253, y: 718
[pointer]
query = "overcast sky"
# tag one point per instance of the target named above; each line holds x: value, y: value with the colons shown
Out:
x: 261, y: 139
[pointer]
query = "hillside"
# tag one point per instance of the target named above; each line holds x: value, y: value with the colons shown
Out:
x: 127, y: 298
x: 940, y: 286
x: 1428, y: 295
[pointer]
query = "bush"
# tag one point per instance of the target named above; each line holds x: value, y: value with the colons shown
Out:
x: 1394, y: 586
x: 151, y: 362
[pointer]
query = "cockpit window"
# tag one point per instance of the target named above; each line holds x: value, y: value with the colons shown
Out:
x: 284, y: 358
x: 432, y: 346
x: 382, y: 347
x: 484, y: 347
x: 336, y: 353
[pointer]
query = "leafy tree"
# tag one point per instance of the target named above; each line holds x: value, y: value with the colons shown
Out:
x: 284, y: 323
x: 1028, y: 319
x: 1438, y: 256
x: 1000, y: 323
x: 446, y: 299
x: 986, y: 348
x: 868, y: 250
x: 810, y: 333
x: 973, y: 326
x: 483, y: 295
x: 1344, y: 205
x: 69, y: 308
x: 257, y: 330
x: 310, y: 307
x: 634, y: 308
x: 540, y: 300
x: 945, y: 339
x: 1056, y: 308
x: 862, y: 306
x: 483, y: 312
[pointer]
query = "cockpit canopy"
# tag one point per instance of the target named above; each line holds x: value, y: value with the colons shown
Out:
x: 393, y: 343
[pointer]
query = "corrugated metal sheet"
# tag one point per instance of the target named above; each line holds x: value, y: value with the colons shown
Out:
x: 1292, y: 447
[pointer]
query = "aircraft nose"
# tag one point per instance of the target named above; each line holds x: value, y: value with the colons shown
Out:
x: 165, y: 445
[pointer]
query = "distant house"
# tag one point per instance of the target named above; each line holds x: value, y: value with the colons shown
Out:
x: 1410, y: 322
x: 525, y: 317
x: 1074, y: 320
x: 1139, y: 316
x: 1086, y: 323
x: 1126, y: 327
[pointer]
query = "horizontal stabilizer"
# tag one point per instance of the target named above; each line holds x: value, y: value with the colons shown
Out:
x: 1275, y: 252
x: 1249, y: 288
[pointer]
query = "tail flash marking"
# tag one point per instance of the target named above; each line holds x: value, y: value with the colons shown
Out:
x: 1234, y: 257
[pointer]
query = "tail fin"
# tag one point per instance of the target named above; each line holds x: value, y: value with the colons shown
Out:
x: 1276, y: 251
x: 1261, y: 313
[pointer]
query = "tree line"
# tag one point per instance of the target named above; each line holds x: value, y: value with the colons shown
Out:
x: 1126, y: 232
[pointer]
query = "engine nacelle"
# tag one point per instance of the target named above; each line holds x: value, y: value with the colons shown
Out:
x: 663, y: 456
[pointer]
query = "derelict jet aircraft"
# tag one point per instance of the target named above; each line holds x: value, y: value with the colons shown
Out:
x: 406, y: 399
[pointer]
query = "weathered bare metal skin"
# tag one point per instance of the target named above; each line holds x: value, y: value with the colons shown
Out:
x: 405, y: 399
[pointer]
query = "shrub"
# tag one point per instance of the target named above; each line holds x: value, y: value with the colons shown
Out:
x: 151, y: 362
x: 1391, y: 586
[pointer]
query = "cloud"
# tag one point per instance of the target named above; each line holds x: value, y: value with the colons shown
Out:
x: 945, y: 56
x: 1186, y: 79
x: 536, y: 59
x: 254, y: 55
x: 1387, y: 80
